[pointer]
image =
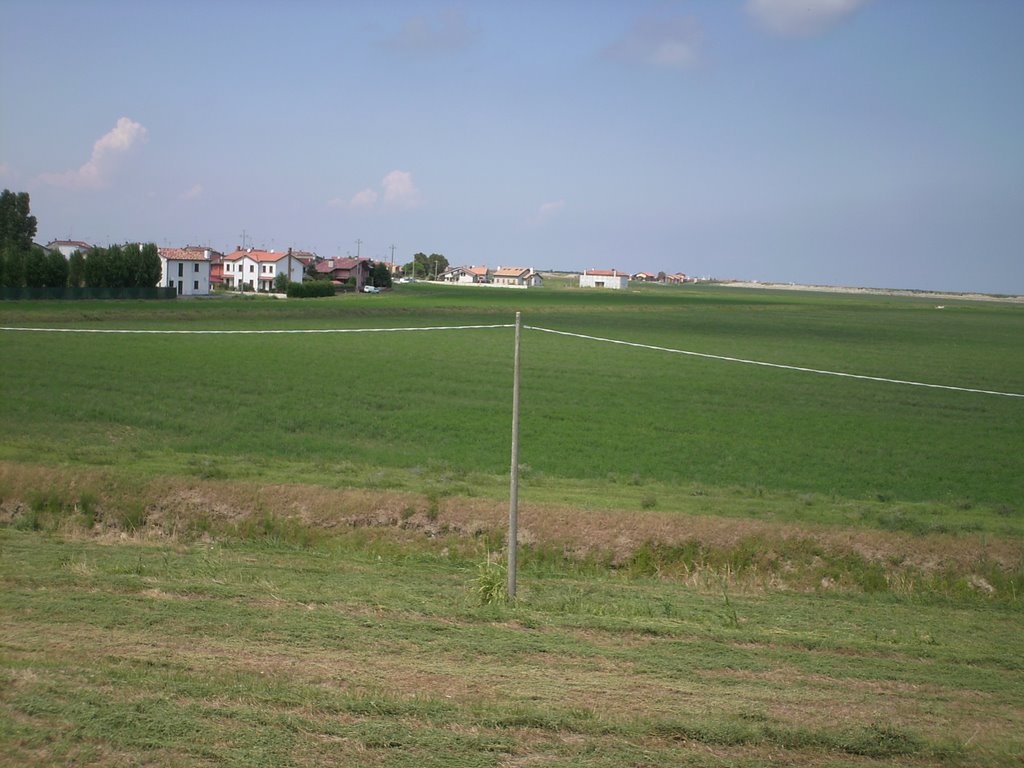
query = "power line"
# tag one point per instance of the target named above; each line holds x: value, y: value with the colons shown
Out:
x: 587, y: 337
x: 775, y: 365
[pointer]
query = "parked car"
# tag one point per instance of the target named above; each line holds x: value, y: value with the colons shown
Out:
x: 371, y: 289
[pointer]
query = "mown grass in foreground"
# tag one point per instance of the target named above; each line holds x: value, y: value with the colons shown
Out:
x: 252, y: 653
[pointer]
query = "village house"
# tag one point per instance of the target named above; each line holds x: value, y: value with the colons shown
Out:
x: 187, y: 270
x: 518, y: 276
x: 465, y: 275
x: 68, y: 247
x: 340, y: 271
x: 604, y: 278
x: 257, y: 270
x: 645, y: 277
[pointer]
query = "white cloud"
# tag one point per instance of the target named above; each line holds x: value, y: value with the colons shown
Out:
x: 399, y: 189
x: 547, y: 210
x: 801, y: 18
x: 365, y: 199
x: 192, y: 193
x: 666, y: 43
x: 95, y: 173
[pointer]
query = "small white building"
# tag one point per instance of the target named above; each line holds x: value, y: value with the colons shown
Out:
x: 258, y: 270
x: 186, y: 269
x: 604, y: 278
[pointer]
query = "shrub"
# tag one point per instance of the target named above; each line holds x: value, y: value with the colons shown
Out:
x: 310, y: 289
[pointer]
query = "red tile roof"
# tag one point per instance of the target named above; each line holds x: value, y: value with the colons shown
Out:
x: 329, y: 265
x: 76, y: 243
x: 256, y: 255
x: 512, y: 271
x: 182, y: 254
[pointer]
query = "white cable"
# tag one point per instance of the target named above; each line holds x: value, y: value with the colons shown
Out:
x: 543, y: 330
x: 234, y: 332
x: 776, y: 365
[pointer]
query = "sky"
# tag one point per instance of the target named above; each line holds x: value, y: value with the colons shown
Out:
x: 875, y: 143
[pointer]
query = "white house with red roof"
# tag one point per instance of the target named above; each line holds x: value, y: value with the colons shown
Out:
x: 604, y: 278
x: 465, y: 275
x: 187, y: 270
x: 257, y: 270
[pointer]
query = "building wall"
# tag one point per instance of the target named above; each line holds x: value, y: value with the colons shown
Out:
x: 604, y: 281
x: 187, y: 277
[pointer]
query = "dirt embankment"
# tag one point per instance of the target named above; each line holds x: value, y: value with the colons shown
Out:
x: 178, y: 507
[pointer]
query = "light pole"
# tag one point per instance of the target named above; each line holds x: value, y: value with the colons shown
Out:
x: 513, y: 504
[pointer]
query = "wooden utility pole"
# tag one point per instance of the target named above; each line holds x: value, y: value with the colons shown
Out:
x: 513, y: 505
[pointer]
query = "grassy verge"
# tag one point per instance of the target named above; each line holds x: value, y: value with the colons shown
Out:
x: 366, y: 650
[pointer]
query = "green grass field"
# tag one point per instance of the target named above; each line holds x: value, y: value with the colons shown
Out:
x: 268, y: 549
x: 591, y: 411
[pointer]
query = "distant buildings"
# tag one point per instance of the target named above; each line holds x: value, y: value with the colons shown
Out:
x: 256, y: 270
x: 604, y: 278
x: 465, y: 275
x: 68, y: 247
x: 187, y: 269
x: 518, y: 276
x: 340, y: 271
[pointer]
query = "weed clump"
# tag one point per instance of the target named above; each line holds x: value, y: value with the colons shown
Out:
x: 491, y: 582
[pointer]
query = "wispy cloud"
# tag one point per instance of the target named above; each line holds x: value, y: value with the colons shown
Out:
x: 547, y: 211
x: 94, y: 174
x: 801, y: 18
x: 672, y: 42
x: 196, y: 190
x: 397, y: 190
x: 443, y: 32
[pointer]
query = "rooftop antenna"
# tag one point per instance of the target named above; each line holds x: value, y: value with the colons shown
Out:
x: 244, y: 237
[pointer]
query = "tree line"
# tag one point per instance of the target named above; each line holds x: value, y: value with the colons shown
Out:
x: 23, y: 264
x: 426, y: 267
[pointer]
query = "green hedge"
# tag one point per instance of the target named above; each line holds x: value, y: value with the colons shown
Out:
x: 310, y: 289
x: 21, y: 294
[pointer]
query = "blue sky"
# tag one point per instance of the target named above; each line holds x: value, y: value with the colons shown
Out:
x: 845, y: 142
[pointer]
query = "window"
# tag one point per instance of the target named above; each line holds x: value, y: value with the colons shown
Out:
x: 181, y: 269
x: 195, y: 285
x: 252, y: 268
x: 195, y: 267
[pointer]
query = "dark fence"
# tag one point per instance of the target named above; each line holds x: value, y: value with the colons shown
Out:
x: 74, y: 294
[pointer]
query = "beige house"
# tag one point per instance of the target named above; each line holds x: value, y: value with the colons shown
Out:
x: 520, y: 276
